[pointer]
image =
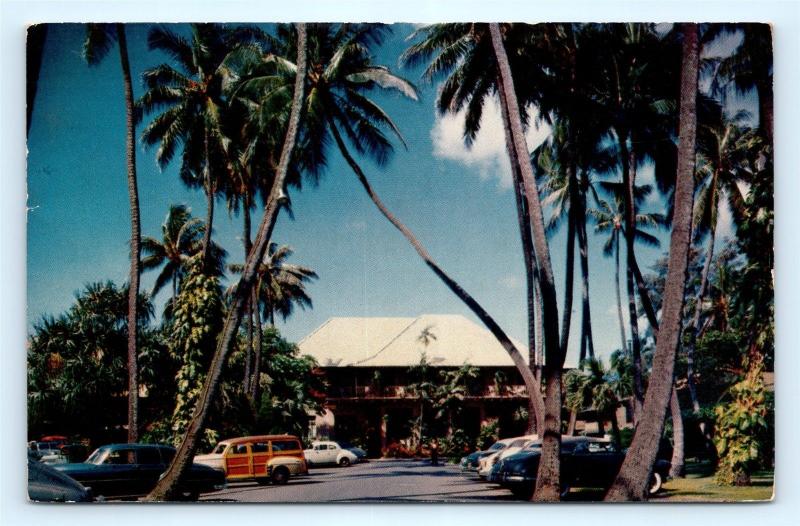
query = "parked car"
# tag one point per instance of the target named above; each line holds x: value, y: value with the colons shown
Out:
x: 129, y: 471
x: 327, y: 452
x: 47, y: 484
x: 486, y: 464
x: 585, y: 462
x: 264, y: 458
x: 471, y: 462
x: 357, y: 451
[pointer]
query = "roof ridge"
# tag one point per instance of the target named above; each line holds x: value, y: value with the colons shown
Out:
x: 312, y: 333
x: 413, y: 321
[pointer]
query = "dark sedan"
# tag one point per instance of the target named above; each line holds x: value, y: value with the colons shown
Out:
x: 46, y: 484
x: 585, y: 462
x: 129, y: 471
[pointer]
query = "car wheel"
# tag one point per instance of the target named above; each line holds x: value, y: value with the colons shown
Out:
x: 655, y: 483
x: 188, y: 495
x: 280, y: 476
x: 344, y: 462
x: 263, y: 481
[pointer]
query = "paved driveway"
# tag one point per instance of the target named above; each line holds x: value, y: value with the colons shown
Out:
x: 376, y: 481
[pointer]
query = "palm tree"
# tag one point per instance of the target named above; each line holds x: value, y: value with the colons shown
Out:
x: 464, y: 53
x: 593, y: 387
x: 610, y: 219
x: 749, y: 68
x: 723, y: 152
x: 280, y: 286
x: 99, y: 39
x: 181, y: 240
x: 631, y: 482
x: 191, y: 100
x: 167, y: 486
x: 548, y: 477
x: 338, y: 108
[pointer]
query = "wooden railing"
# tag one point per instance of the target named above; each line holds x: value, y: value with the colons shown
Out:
x: 403, y: 391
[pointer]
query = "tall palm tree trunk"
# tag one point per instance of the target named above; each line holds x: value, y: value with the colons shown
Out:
x: 531, y: 384
x: 166, y: 489
x: 569, y: 276
x: 633, y: 477
x: 695, y: 328
x: 255, y: 383
x: 548, y: 478
x: 136, y: 239
x: 628, y: 162
x: 249, y: 308
x: 209, y: 191
x: 624, y: 340
x: 676, y: 469
x: 529, y: 256
x: 587, y: 340
x: 37, y: 35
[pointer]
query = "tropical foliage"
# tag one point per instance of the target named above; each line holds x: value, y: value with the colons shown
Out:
x: 641, y: 138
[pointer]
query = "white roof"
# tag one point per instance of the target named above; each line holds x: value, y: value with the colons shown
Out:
x: 396, y: 342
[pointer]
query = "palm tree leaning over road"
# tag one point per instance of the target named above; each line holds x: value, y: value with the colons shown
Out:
x: 338, y: 108
x: 99, y: 39
x: 279, y: 287
x: 631, y: 482
x: 166, y: 489
x: 462, y: 54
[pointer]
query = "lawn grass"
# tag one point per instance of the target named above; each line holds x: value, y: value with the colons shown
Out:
x: 699, y: 486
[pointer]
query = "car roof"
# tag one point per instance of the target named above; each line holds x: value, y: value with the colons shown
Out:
x: 136, y: 446
x: 240, y: 440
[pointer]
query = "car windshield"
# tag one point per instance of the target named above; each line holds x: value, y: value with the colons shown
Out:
x: 98, y: 456
x: 219, y: 449
x: 497, y: 446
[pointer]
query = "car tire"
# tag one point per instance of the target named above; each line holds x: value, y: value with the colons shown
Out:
x: 190, y: 496
x: 344, y: 462
x: 263, y: 481
x: 656, y: 482
x: 280, y: 476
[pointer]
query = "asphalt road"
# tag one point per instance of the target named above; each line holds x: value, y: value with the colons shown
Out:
x: 374, y: 482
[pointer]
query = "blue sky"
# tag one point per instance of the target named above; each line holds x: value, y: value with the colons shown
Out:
x: 456, y: 200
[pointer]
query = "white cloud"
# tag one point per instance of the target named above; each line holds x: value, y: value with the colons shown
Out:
x: 487, y: 155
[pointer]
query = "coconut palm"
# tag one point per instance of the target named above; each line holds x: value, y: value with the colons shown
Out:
x: 166, y: 489
x: 192, y: 108
x: 462, y: 54
x: 338, y: 108
x: 593, y: 387
x: 280, y: 286
x: 722, y: 165
x: 749, y: 68
x: 99, y: 39
x: 610, y: 219
x: 632, y: 479
x: 181, y: 240
x: 547, y: 482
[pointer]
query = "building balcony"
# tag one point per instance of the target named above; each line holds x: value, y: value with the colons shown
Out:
x: 403, y: 391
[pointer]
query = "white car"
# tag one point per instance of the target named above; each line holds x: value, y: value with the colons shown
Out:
x: 514, y: 446
x: 327, y: 452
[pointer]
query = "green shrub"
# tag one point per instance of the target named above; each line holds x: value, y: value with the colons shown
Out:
x: 741, y: 425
